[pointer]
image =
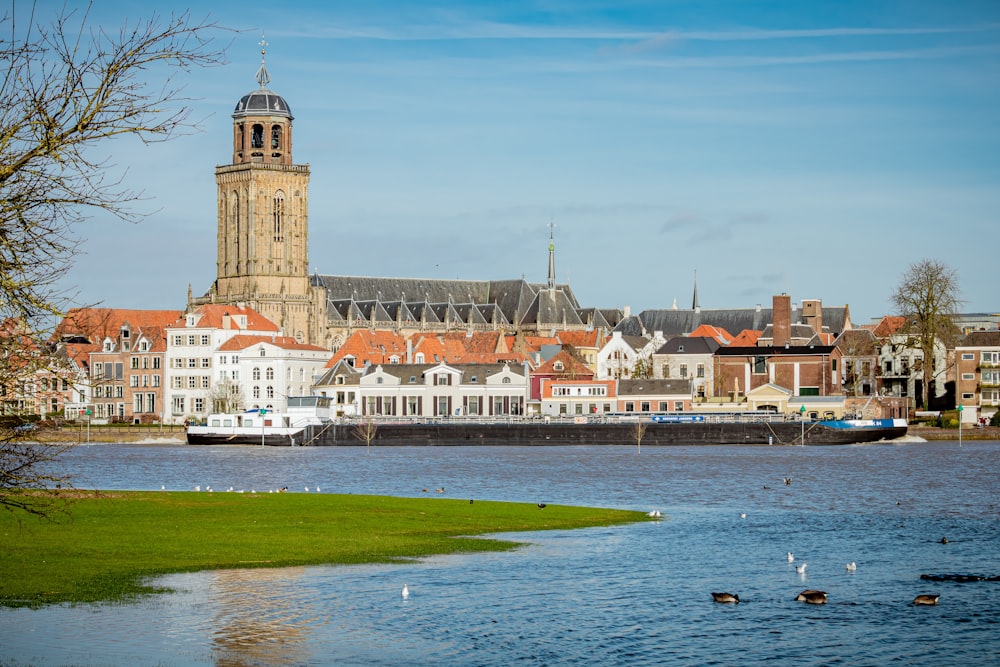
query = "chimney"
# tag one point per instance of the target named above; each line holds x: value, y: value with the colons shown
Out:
x: 409, y: 351
x: 812, y: 314
x: 227, y: 322
x: 781, y: 319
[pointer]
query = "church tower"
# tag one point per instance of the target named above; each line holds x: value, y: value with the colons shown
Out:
x: 263, y: 217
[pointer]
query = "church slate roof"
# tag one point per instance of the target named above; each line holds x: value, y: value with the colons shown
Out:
x: 517, y: 300
x: 734, y: 320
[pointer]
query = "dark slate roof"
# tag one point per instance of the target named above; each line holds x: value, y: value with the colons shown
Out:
x: 734, y: 320
x: 262, y: 102
x: 689, y: 345
x: 551, y: 308
x: 649, y: 386
x: 480, y: 371
x: 517, y: 300
x: 982, y: 339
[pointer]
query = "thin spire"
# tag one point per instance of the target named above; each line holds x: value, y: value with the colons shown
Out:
x: 552, y: 257
x: 694, y: 301
x: 263, y: 78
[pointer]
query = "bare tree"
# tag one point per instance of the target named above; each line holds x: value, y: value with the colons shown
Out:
x: 928, y: 297
x: 69, y: 88
x: 366, y: 430
x: 226, y: 396
x: 639, y: 431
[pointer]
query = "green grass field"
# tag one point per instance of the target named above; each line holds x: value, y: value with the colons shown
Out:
x: 110, y: 542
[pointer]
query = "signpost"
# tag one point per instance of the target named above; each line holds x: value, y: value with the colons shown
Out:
x: 262, y: 413
x: 802, y: 423
x: 960, y: 426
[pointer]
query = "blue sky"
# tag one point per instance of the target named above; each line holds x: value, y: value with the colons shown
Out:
x: 812, y: 148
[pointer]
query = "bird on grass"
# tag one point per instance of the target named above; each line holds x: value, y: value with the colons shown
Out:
x: 655, y: 514
x: 541, y: 506
x: 726, y: 598
x: 811, y: 596
x: 926, y: 599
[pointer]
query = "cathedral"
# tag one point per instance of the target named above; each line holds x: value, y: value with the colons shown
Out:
x: 263, y: 256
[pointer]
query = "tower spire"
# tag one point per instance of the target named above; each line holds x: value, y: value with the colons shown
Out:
x: 694, y: 301
x: 552, y: 257
x: 263, y: 78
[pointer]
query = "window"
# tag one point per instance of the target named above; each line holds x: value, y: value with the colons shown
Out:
x: 256, y: 391
x: 134, y: 362
x: 192, y: 382
x: 199, y: 405
x: 256, y: 373
x: 191, y: 340
x: 133, y: 381
x: 700, y: 370
x: 760, y: 364
x: 629, y: 406
x: 968, y: 397
x: 968, y: 376
x: 644, y: 406
x: 578, y: 408
x: 206, y: 362
x: 666, y: 371
x: 269, y: 373
x: 664, y: 406
x: 192, y: 363
x: 270, y: 391
x: 204, y: 339
x: 378, y: 380
x: 684, y: 371
x: 558, y: 366
x: 473, y: 405
x: 205, y: 382
x: 505, y: 381
x: 678, y: 406
x: 155, y: 380
x: 278, y: 216
x: 275, y: 137
x: 178, y: 340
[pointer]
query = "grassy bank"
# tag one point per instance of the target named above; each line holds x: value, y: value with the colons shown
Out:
x: 111, y: 541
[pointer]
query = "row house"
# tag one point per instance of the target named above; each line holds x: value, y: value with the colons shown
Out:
x: 628, y: 356
x: 688, y: 358
x: 812, y: 370
x: 196, y: 375
x: 565, y: 397
x: 443, y: 390
x: 341, y: 384
x: 270, y: 369
x: 901, y: 363
x: 978, y: 375
x: 125, y: 361
x: 654, y: 395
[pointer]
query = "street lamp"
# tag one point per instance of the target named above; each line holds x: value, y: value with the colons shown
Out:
x: 262, y: 413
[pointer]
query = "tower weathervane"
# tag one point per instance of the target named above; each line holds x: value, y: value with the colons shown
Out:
x: 263, y: 78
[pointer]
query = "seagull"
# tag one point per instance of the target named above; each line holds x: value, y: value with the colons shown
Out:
x: 743, y: 515
x: 163, y: 487
x: 197, y: 487
x: 811, y: 596
x: 791, y: 557
x: 655, y: 514
x: 726, y: 598
x: 852, y: 566
x: 406, y: 592
x: 926, y: 599
x: 801, y: 569
x: 307, y: 489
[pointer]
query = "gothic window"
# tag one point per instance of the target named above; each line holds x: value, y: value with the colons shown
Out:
x: 257, y: 138
x: 278, y: 215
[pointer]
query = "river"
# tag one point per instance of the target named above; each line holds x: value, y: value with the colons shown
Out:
x: 629, y: 595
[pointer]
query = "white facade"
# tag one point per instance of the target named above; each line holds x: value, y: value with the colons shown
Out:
x: 620, y: 356
x: 192, y: 364
x: 272, y: 369
x: 461, y: 390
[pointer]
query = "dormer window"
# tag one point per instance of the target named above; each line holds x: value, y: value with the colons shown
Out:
x: 190, y: 320
x: 339, y: 379
x: 263, y: 352
x: 558, y: 366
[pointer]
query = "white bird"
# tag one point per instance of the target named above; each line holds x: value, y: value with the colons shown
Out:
x: 655, y: 514
x: 406, y: 592
x: 317, y: 489
x: 307, y: 489
x: 743, y: 515
x: 791, y: 557
x: 198, y: 487
x: 852, y: 566
x: 163, y: 487
x: 801, y: 569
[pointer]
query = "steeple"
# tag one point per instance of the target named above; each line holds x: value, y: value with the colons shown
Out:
x: 263, y: 78
x: 552, y: 258
x: 694, y: 301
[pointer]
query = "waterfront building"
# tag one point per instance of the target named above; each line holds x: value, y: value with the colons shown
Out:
x: 270, y: 368
x: 444, y: 390
x: 628, y: 356
x: 564, y: 397
x: 978, y: 375
x: 648, y: 395
x: 201, y: 379
x: 688, y: 358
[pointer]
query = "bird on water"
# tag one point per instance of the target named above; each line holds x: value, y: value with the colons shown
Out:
x: 801, y: 569
x: 811, y: 596
x: 406, y: 591
x: 926, y: 599
x: 852, y: 566
x: 726, y: 598
x: 791, y: 557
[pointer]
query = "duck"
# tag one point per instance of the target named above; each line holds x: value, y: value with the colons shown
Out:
x: 811, y: 596
x: 852, y: 566
x: 726, y: 598
x: 541, y: 506
x: 926, y: 599
x: 801, y: 569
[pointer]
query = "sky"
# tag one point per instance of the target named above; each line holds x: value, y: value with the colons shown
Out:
x: 816, y: 148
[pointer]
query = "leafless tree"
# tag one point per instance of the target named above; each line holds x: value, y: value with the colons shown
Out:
x: 366, y: 430
x: 226, y: 396
x: 68, y: 89
x: 928, y: 296
x: 639, y: 431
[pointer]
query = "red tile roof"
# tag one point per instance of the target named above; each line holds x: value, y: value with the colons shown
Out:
x: 243, y: 341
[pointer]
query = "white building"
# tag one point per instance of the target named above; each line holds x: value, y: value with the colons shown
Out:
x: 270, y: 368
x: 193, y: 368
x: 624, y: 356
